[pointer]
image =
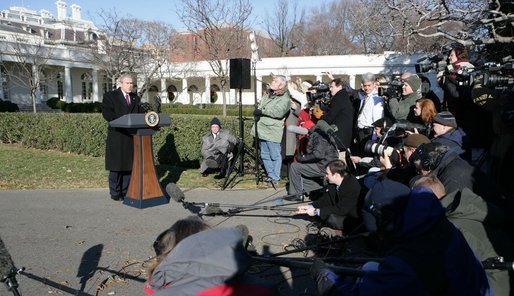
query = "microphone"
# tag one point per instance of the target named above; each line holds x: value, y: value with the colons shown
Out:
x: 297, y: 130
x: 175, y: 193
x: 6, y: 264
x: 212, y: 210
x: 325, y: 127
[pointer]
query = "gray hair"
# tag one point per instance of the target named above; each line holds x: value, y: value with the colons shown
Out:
x: 367, y: 77
x: 282, y: 79
x: 123, y: 76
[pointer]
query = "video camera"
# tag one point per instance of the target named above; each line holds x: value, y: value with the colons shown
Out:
x: 319, y: 93
x: 491, y: 75
x: 435, y: 62
x: 391, y: 89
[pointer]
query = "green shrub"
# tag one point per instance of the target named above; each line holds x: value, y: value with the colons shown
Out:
x: 82, y: 133
x: 52, y: 103
x: 6, y: 106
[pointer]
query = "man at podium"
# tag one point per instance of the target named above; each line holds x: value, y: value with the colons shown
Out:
x: 119, y: 148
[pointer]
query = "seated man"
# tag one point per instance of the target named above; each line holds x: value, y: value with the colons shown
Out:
x: 215, y: 145
x: 338, y: 207
x: 321, y: 149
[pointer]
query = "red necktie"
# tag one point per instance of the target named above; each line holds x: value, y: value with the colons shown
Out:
x: 127, y: 98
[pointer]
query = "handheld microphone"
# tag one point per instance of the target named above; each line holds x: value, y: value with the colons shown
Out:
x: 297, y: 130
x: 175, y: 193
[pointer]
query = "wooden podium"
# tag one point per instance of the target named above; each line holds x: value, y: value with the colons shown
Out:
x: 144, y: 189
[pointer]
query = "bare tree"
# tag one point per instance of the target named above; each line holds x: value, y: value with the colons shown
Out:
x: 25, y: 59
x: 281, y: 25
x: 468, y: 22
x: 221, y: 27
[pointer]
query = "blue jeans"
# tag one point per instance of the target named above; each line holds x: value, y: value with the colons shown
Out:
x: 272, y: 158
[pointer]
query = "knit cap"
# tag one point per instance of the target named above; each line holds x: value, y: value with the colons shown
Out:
x: 216, y: 121
x: 414, y: 82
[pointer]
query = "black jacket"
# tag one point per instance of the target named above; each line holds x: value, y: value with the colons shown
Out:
x: 342, y: 201
x: 341, y: 113
x: 119, y: 147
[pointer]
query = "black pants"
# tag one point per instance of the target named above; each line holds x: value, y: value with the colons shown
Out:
x: 119, y: 182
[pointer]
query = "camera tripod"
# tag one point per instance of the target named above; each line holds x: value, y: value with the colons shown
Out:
x: 242, y: 150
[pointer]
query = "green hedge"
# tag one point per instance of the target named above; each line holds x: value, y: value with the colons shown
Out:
x: 81, y: 133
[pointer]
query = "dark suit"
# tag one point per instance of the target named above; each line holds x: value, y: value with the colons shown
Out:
x: 336, y: 205
x: 341, y: 114
x: 119, y: 148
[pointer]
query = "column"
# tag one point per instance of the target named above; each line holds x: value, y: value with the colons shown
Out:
x: 184, y: 95
x: 96, y: 97
x: 207, y: 94
x: 259, y: 88
x: 351, y: 81
x: 68, y: 92
x: 164, y: 94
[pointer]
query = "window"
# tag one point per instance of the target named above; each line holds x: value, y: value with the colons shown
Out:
x: 87, y: 87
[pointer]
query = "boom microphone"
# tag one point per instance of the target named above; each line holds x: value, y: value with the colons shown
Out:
x: 325, y: 127
x: 175, y: 193
x: 297, y: 130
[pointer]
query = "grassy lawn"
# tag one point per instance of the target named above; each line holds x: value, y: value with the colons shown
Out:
x: 23, y: 168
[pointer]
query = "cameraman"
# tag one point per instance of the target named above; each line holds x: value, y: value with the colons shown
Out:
x: 340, y: 113
x: 403, y: 108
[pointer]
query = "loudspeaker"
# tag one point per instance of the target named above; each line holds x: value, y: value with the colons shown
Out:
x: 240, y: 74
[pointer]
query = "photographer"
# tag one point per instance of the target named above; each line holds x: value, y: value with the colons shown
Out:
x: 403, y: 108
x: 340, y: 113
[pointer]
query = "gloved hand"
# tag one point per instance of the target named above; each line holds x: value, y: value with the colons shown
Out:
x: 257, y: 112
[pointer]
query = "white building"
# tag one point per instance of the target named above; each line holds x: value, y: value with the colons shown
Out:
x: 72, y: 78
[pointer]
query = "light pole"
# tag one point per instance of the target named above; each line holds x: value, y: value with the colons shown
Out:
x: 255, y: 58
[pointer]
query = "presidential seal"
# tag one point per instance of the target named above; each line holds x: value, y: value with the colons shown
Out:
x: 152, y: 118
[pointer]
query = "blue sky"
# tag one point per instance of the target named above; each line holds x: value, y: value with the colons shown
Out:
x: 161, y: 10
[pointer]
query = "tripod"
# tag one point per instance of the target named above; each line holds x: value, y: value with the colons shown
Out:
x: 242, y: 150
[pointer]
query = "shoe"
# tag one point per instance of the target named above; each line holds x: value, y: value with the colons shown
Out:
x: 296, y: 197
x: 272, y: 183
x: 204, y: 174
x: 117, y: 197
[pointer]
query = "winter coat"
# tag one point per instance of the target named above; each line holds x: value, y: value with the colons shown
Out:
x: 119, y: 147
x: 211, y: 262
x: 404, y: 109
x: 321, y: 149
x: 212, y: 147
x: 454, y: 140
x: 270, y: 126
x: 341, y: 114
x: 480, y: 223
x: 456, y: 174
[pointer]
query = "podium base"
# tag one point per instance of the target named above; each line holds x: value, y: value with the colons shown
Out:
x: 145, y: 203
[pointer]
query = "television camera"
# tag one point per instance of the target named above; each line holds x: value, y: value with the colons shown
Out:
x: 391, y: 89
x: 491, y: 75
x: 319, y: 93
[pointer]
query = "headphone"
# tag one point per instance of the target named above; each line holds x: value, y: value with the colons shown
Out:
x: 430, y: 155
